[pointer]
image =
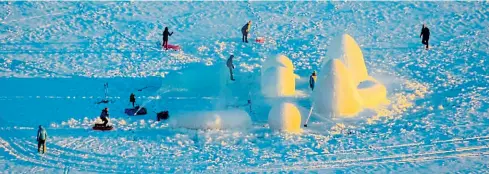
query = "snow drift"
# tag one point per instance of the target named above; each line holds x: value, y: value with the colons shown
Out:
x: 222, y: 119
x: 278, y: 78
x: 285, y: 117
x: 344, y: 87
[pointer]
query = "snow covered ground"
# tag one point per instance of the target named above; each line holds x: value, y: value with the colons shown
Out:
x: 56, y: 56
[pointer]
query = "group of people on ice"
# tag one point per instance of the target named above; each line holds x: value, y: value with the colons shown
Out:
x: 104, y: 115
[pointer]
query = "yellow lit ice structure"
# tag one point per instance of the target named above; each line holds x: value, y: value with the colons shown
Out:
x: 277, y: 77
x: 344, y: 87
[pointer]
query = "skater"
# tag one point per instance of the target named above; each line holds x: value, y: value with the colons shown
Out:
x: 425, y: 33
x: 245, y: 30
x: 132, y: 99
x: 230, y: 65
x: 166, y: 33
x: 42, y: 135
x: 312, y: 80
x: 104, y: 116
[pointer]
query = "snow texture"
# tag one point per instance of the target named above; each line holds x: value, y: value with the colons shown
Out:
x: 225, y: 119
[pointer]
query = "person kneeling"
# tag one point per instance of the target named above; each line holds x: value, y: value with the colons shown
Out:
x: 104, y: 116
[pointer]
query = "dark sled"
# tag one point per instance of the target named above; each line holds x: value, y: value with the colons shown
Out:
x: 102, y: 127
x: 132, y: 111
x: 163, y: 115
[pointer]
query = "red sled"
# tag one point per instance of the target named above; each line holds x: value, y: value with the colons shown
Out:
x: 102, y: 127
x: 260, y: 40
x: 172, y: 47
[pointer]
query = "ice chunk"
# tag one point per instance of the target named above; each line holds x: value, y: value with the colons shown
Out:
x: 347, y: 50
x: 278, y: 78
x: 285, y: 117
x: 344, y: 87
x: 335, y: 93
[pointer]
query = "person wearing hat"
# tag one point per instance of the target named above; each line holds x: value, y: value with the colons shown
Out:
x: 312, y: 80
x: 245, y: 30
x: 229, y: 64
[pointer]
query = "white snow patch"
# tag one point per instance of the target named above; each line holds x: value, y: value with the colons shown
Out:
x: 219, y: 119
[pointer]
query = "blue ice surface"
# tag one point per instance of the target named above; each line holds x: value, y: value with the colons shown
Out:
x: 56, y: 56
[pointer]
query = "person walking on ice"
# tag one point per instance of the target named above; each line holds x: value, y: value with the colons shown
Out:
x: 166, y: 34
x: 42, y: 135
x: 425, y: 34
x: 312, y: 80
x: 245, y: 30
x: 229, y: 64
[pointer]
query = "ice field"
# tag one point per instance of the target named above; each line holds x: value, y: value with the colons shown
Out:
x: 56, y: 56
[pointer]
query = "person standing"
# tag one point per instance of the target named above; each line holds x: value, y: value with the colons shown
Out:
x: 245, y: 30
x: 42, y: 135
x: 230, y: 65
x: 425, y: 34
x: 312, y: 80
x: 132, y: 99
x: 166, y: 34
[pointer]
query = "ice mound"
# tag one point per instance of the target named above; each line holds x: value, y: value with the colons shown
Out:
x: 336, y: 92
x: 372, y: 92
x: 279, y: 60
x: 344, y: 87
x: 221, y: 119
x: 277, y: 77
x: 347, y: 50
x: 285, y: 117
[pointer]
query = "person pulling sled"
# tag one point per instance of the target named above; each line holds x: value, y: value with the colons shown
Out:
x: 245, y: 30
x: 166, y: 34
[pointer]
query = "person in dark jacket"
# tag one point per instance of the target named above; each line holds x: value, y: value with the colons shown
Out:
x: 132, y: 99
x: 245, y: 30
x: 104, y: 116
x: 312, y: 80
x: 230, y: 65
x: 425, y: 34
x: 42, y: 135
x: 166, y: 33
